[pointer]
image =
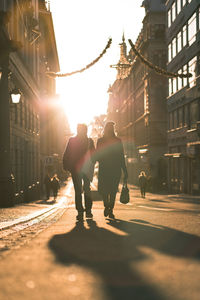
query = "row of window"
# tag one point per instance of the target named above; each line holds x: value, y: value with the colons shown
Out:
x: 193, y: 67
x: 187, y: 115
x: 186, y: 36
x: 25, y: 117
x: 175, y: 10
x: 25, y: 166
x: 20, y: 30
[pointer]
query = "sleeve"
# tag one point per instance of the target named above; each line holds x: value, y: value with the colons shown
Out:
x: 66, y: 156
x: 123, y: 160
x: 95, y: 156
x: 92, y: 147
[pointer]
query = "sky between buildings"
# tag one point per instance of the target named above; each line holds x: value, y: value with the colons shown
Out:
x: 82, y: 29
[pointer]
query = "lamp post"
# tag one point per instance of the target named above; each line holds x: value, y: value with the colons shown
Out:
x: 6, y: 178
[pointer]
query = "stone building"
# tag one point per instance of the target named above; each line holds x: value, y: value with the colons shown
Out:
x: 137, y: 101
x: 30, y: 22
x: 183, y: 41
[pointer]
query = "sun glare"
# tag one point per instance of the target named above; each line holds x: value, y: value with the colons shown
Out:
x: 82, y: 97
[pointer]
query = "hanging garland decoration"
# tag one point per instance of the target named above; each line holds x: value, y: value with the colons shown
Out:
x: 156, y: 68
x: 53, y: 74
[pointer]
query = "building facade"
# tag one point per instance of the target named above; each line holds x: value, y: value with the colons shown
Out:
x: 30, y: 23
x: 183, y: 102
x: 137, y: 101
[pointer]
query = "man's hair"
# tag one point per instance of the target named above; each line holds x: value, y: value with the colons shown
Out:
x: 82, y: 129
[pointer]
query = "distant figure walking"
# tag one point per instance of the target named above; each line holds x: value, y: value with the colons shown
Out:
x: 47, y: 183
x: 77, y: 160
x: 143, y: 183
x: 110, y: 155
x: 55, y: 185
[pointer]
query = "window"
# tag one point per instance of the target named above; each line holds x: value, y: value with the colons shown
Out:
x: 198, y: 66
x: 175, y: 119
x: 173, y: 47
x: 184, y: 36
x: 16, y: 114
x: 173, y: 11
x: 199, y: 19
x: 180, y: 117
x: 192, y: 29
x: 171, y: 125
x: 194, y: 113
x: 169, y: 52
x: 169, y: 16
x: 178, y: 6
x: 25, y: 116
x: 180, y: 84
x: 185, y: 78
x: 186, y: 115
x: 170, y: 87
x: 192, y: 69
x: 179, y: 42
x: 174, y: 85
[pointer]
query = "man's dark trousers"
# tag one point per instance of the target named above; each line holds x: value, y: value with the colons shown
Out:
x: 77, y: 179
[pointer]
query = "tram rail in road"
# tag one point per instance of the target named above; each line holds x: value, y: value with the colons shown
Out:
x: 23, y: 222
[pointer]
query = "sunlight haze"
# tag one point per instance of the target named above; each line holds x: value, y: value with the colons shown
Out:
x: 82, y: 30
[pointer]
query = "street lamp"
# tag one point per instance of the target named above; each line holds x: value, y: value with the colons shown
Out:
x: 15, y: 95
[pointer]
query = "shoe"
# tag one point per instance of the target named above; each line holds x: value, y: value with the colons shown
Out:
x: 79, y: 217
x: 106, y: 211
x: 89, y: 215
x: 111, y: 215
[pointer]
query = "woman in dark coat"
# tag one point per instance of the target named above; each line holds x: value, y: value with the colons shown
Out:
x: 110, y: 155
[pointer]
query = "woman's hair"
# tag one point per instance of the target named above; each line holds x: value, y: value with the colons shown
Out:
x: 109, y: 129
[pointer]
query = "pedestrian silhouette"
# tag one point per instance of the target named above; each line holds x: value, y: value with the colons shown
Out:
x: 110, y: 155
x: 47, y: 183
x: 77, y: 160
x: 55, y: 185
x: 143, y: 183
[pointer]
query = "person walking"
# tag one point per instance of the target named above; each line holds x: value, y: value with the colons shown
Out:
x: 47, y: 183
x: 143, y: 183
x: 110, y: 155
x: 55, y: 186
x: 77, y: 160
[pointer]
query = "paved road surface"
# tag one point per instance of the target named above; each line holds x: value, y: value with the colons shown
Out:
x: 151, y: 251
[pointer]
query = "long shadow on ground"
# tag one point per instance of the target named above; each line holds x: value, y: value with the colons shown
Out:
x: 110, y: 255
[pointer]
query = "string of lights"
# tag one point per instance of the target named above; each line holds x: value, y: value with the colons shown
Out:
x: 156, y: 68
x: 53, y: 74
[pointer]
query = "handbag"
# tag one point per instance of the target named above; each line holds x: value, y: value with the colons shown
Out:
x: 124, y: 196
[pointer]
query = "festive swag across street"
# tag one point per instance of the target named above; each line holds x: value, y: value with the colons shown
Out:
x: 99, y: 150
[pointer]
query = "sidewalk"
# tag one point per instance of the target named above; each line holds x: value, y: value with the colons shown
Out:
x: 26, y: 210
x: 23, y: 211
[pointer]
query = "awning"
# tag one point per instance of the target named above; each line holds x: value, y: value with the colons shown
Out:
x: 142, y: 151
x: 193, y: 143
x: 173, y: 155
